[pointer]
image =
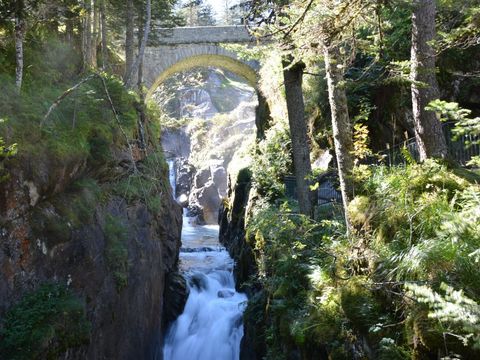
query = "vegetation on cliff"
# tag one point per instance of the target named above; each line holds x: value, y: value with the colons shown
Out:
x: 399, y: 278
x: 85, y: 193
x: 403, y: 285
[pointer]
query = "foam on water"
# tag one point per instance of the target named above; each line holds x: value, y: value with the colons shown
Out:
x: 210, y: 327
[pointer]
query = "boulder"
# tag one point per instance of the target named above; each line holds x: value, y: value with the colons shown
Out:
x: 205, y: 201
x: 184, y: 177
x: 202, y: 177
x: 219, y: 178
x: 225, y: 293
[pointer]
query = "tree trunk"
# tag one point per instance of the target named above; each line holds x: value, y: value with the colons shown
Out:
x: 342, y: 128
x: 20, y: 28
x: 428, y: 129
x: 95, y: 37
x: 292, y: 75
x: 142, y: 118
x: 87, y: 36
x: 129, y: 40
x: 104, y: 35
x: 141, y: 51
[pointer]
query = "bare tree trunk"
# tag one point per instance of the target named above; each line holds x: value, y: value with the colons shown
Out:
x: 342, y: 128
x: 292, y: 75
x: 87, y: 35
x: 141, y: 51
x: 142, y: 118
x: 104, y: 35
x: 95, y: 32
x: 129, y: 40
x: 428, y: 129
x: 20, y: 28
x: 69, y: 31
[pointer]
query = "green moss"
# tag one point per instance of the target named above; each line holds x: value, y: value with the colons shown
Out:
x: 44, y: 324
x: 358, y: 303
x: 149, y: 185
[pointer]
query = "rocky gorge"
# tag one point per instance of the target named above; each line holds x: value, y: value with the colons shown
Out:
x: 217, y: 121
x: 89, y: 246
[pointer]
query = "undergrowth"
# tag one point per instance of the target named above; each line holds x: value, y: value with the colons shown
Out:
x: 44, y: 324
x: 404, y: 285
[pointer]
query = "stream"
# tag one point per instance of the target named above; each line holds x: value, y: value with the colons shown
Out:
x: 211, y: 325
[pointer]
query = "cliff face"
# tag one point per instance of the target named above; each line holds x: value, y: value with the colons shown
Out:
x: 111, y: 252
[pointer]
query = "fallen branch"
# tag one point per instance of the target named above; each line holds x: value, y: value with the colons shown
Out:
x: 112, y: 107
x: 135, y: 170
x: 63, y: 96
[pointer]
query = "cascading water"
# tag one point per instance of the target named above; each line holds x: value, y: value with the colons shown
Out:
x: 171, y: 174
x: 210, y: 327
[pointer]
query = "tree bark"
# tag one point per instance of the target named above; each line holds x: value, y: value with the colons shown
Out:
x: 142, y: 118
x: 342, y: 128
x: 292, y: 75
x: 95, y: 32
x: 87, y: 36
x: 129, y: 40
x: 20, y: 28
x: 141, y: 51
x: 428, y: 129
x: 104, y: 34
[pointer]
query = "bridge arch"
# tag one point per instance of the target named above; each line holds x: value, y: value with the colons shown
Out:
x: 181, y: 49
x: 231, y: 64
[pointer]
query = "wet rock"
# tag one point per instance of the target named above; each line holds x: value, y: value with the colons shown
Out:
x: 183, y: 200
x: 225, y: 293
x: 199, y: 281
x: 176, y: 294
x: 232, y: 228
x: 184, y: 177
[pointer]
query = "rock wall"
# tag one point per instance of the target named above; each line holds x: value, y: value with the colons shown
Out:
x: 232, y: 227
x: 118, y: 271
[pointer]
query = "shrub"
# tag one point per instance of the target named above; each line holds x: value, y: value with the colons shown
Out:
x: 44, y: 324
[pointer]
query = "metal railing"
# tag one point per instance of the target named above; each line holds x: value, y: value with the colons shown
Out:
x: 326, y: 192
x: 461, y: 150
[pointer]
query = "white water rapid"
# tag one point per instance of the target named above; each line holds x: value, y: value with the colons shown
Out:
x: 211, y: 326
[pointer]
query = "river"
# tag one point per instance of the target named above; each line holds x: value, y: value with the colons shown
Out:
x: 211, y: 325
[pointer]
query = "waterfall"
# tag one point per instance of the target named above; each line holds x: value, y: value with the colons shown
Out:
x: 172, y: 175
x: 211, y: 326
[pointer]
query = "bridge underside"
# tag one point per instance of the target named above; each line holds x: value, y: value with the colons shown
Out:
x: 163, y: 61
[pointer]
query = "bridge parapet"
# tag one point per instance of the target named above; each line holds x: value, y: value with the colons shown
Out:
x: 203, y: 35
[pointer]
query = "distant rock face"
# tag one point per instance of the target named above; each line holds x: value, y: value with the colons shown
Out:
x: 176, y: 143
x: 209, y: 187
x: 208, y: 141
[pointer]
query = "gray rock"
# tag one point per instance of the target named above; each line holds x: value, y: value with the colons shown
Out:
x: 206, y: 201
x: 202, y: 177
x: 176, y: 294
x: 219, y: 178
x: 225, y: 293
x: 184, y: 177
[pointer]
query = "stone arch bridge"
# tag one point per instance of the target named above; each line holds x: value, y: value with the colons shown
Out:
x: 179, y: 49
